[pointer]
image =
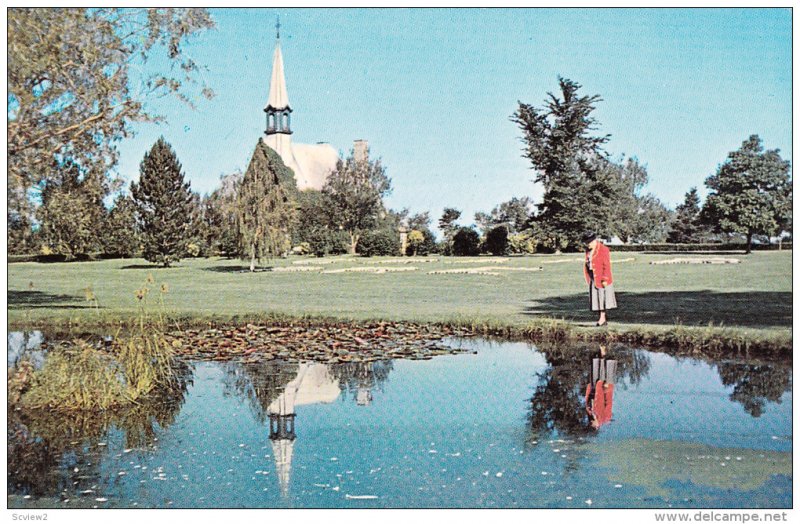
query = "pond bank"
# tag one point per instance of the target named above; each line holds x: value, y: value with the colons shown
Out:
x: 711, y: 340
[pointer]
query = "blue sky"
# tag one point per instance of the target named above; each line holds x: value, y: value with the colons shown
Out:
x: 432, y: 91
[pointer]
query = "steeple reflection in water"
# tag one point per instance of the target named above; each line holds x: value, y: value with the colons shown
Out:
x: 276, y: 388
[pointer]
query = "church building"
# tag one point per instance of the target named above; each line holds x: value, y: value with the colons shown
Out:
x: 311, y: 163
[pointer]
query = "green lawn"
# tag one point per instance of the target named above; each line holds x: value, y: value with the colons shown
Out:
x: 755, y: 295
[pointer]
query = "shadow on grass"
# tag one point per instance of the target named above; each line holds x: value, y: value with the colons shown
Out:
x: 235, y: 269
x: 38, y: 299
x: 746, y: 309
x: 149, y: 266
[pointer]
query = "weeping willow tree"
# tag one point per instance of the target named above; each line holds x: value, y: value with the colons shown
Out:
x: 265, y: 211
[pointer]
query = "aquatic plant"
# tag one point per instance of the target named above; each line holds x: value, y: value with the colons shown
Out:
x: 77, y: 376
x: 81, y: 376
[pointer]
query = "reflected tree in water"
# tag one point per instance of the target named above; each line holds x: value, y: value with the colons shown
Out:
x: 361, y: 378
x: 557, y: 406
x: 755, y: 384
x: 44, y: 447
x: 260, y: 383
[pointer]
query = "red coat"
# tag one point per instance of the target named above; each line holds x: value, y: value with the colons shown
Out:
x: 601, y: 266
x: 601, y: 404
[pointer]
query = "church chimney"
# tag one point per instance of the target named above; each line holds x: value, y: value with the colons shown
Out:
x: 360, y: 150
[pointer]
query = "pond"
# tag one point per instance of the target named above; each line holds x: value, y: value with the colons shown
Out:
x: 502, y: 425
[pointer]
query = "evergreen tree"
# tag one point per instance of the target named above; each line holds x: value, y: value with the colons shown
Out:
x: 751, y: 193
x: 354, y: 194
x: 163, y: 205
x: 72, y: 210
x: 686, y: 228
x: 497, y: 240
x: 569, y: 164
x: 265, y: 210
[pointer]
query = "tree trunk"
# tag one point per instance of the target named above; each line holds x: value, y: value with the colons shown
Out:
x: 353, y: 243
x: 252, y: 260
x: 749, y: 242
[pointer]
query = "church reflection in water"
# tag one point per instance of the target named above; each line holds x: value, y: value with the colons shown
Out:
x: 63, y: 456
x: 275, y: 389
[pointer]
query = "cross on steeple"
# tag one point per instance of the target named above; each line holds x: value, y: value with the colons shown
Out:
x: 278, y: 27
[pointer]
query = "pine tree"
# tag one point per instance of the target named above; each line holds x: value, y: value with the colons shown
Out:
x: 751, y: 193
x: 265, y: 211
x: 569, y: 163
x: 163, y: 205
x: 686, y: 228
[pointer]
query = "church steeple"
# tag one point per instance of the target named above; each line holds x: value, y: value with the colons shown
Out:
x: 278, y: 111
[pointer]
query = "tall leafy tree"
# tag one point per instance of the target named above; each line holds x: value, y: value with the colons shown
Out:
x: 448, y: 227
x: 354, y: 193
x: 120, y: 236
x: 420, y: 221
x: 79, y: 78
x: 652, y: 221
x: 163, y: 203
x: 265, y: 210
x: 314, y: 225
x: 751, y: 192
x: 686, y: 227
x: 72, y: 211
x: 515, y: 214
x: 566, y: 155
x: 219, y: 217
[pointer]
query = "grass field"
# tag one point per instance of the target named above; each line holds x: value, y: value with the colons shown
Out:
x: 753, y: 297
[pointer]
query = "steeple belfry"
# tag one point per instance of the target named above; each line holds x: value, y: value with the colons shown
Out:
x: 311, y: 163
x: 277, y: 109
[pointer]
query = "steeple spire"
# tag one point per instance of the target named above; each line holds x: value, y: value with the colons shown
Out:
x: 277, y: 108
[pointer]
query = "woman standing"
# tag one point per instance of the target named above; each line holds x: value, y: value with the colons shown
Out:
x: 597, y: 271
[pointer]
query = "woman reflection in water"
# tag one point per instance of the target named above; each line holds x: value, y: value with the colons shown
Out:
x: 600, y: 390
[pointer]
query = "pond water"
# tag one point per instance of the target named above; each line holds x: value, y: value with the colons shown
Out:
x: 505, y: 426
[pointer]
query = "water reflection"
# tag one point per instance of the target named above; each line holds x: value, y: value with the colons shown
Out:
x: 756, y: 383
x: 215, y: 457
x: 565, y: 401
x: 600, y: 389
x: 56, y: 453
x: 362, y: 378
x: 25, y: 344
x: 274, y: 389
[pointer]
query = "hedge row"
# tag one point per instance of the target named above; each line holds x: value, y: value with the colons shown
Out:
x: 699, y: 247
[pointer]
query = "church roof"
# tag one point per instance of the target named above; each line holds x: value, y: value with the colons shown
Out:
x: 278, y: 96
x: 315, y: 162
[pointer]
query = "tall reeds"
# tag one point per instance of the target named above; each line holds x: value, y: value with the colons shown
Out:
x: 81, y: 376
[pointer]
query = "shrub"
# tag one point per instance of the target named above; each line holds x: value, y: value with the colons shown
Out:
x: 522, y: 243
x: 497, y: 240
x: 380, y: 242
x: 466, y: 243
x: 428, y: 246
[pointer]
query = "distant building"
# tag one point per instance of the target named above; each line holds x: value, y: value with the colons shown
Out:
x: 311, y: 163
